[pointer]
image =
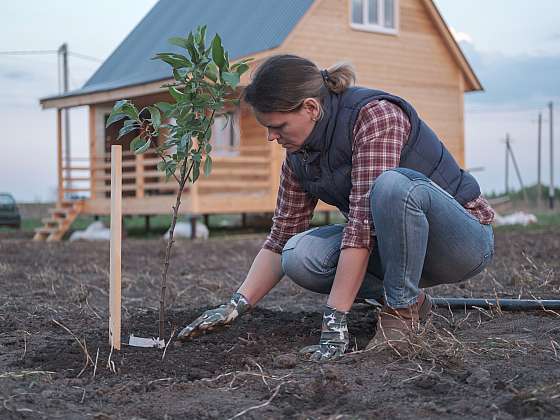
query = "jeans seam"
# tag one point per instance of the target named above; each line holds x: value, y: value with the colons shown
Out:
x: 328, y: 257
x: 405, y: 240
x: 458, y: 205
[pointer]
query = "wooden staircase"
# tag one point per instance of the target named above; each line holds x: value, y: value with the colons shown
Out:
x: 60, y: 221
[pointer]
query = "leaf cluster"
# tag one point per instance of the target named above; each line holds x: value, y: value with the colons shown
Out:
x: 204, y: 81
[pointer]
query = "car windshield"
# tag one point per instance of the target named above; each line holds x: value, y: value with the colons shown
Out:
x: 6, y: 200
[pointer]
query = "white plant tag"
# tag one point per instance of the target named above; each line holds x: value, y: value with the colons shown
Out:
x: 146, y: 342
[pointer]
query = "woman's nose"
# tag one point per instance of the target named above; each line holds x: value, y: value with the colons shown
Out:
x: 272, y: 136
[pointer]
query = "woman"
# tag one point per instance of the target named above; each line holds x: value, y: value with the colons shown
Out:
x: 414, y: 218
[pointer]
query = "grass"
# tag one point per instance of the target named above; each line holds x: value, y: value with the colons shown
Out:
x: 221, y: 225
x: 135, y: 226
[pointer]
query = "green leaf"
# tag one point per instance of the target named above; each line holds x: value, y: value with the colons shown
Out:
x: 180, y: 74
x: 184, y: 143
x: 117, y: 112
x: 177, y: 95
x: 207, y: 165
x: 177, y: 40
x: 231, y: 79
x: 201, y: 38
x: 128, y: 128
x: 195, y: 170
x: 139, y: 145
x: 191, y: 48
x: 218, y: 52
x: 161, y: 166
x: 130, y: 110
x: 114, y: 117
x: 155, y: 116
x: 241, y: 68
x: 212, y: 72
x: 177, y: 61
x: 170, y: 169
x: 165, y: 107
x: 207, y: 148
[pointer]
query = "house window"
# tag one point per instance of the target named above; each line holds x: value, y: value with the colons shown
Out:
x: 225, y: 134
x: 374, y: 15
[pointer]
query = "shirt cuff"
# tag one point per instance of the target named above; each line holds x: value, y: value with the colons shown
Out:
x: 357, y: 235
x: 273, y: 246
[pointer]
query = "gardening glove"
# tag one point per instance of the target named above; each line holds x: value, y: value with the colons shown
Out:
x: 223, y: 315
x: 334, y: 337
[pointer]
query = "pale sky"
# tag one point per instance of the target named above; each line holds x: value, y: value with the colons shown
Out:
x: 513, y: 46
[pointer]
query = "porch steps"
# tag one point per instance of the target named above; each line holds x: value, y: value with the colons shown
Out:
x: 61, y: 219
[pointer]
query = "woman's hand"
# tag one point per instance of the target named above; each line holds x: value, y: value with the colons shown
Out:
x: 213, y: 318
x: 334, y: 337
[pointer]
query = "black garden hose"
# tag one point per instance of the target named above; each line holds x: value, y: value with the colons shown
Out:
x: 504, y: 304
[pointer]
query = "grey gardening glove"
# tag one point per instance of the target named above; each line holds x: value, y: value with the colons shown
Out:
x: 334, y: 337
x: 223, y: 315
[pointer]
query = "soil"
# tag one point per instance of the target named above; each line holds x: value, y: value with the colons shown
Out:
x: 468, y: 364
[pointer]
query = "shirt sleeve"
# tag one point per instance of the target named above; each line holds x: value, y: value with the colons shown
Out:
x: 380, y: 132
x: 294, y: 210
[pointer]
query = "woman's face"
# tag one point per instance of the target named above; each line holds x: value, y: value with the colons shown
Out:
x: 290, y: 129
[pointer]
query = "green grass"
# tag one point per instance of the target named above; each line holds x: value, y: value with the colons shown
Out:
x: 221, y: 225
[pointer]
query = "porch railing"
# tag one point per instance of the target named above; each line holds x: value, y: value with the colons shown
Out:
x: 87, y: 178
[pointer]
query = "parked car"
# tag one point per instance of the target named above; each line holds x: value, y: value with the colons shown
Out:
x: 9, y: 213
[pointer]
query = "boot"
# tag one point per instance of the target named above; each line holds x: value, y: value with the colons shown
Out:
x: 395, y: 325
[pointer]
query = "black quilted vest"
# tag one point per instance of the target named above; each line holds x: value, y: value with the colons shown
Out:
x: 323, y: 165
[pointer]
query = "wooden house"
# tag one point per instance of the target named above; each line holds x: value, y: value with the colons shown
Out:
x: 401, y: 46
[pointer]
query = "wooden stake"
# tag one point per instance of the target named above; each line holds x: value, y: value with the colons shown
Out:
x: 116, y: 237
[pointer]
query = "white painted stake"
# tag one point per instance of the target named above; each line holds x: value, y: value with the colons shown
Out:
x: 115, y: 264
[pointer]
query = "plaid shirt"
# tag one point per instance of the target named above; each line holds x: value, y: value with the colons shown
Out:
x: 380, y: 132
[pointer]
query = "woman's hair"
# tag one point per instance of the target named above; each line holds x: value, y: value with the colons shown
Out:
x: 282, y: 82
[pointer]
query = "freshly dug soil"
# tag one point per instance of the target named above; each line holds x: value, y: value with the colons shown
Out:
x: 468, y: 364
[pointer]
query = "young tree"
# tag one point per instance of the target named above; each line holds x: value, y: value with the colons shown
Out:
x: 204, y: 83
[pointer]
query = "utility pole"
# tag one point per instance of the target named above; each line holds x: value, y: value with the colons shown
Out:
x: 63, y: 52
x: 507, y: 164
x: 539, y: 189
x: 551, y: 186
x: 510, y: 151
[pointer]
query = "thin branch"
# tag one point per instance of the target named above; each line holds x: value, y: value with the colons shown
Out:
x: 185, y: 174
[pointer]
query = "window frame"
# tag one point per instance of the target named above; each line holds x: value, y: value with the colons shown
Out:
x: 370, y: 27
x: 234, y: 126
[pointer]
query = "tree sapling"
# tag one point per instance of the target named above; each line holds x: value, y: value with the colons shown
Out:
x: 204, y: 83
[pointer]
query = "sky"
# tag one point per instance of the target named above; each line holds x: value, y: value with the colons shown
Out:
x: 513, y: 46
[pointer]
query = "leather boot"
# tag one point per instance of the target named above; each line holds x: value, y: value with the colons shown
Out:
x: 395, y: 325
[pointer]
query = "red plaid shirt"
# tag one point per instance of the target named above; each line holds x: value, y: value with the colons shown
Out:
x: 380, y: 132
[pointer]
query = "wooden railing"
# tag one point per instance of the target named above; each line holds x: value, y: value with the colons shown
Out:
x: 232, y: 172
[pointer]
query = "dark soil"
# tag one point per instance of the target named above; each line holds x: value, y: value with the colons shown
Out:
x: 475, y: 364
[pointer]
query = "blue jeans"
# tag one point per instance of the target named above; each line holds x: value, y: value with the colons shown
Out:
x: 424, y: 238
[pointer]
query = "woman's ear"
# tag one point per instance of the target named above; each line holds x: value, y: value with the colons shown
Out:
x: 312, y: 107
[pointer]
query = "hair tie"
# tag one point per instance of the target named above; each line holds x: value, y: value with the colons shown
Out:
x: 325, y: 75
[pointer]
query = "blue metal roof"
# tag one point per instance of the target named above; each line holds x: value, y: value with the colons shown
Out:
x: 245, y: 26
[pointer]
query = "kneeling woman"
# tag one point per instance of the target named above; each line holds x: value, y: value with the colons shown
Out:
x: 414, y: 218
